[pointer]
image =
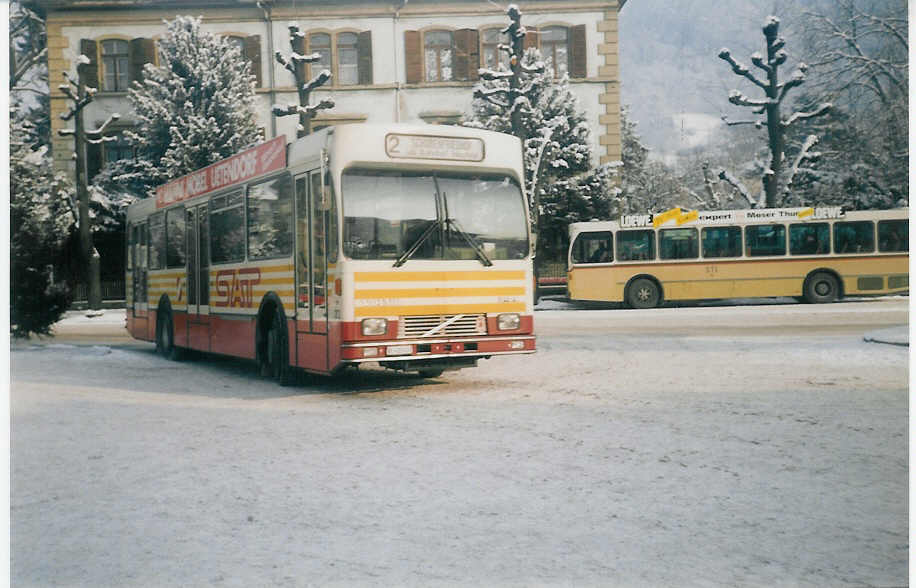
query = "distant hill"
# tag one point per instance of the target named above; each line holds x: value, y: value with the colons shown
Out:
x: 672, y: 79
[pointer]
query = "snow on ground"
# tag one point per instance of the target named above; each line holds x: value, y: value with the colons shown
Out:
x: 684, y: 459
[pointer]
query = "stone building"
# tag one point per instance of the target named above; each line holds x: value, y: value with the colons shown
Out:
x: 392, y: 61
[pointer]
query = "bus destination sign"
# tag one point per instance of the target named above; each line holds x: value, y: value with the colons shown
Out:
x: 434, y: 147
x: 251, y: 163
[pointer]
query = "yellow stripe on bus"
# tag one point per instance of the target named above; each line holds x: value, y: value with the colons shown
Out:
x: 438, y: 309
x: 438, y: 276
x: 438, y: 293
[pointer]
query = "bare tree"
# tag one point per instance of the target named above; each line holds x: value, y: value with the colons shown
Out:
x: 770, y: 105
x: 28, y: 45
x: 860, y: 51
x: 296, y: 65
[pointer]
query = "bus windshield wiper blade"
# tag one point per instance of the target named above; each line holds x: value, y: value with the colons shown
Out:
x: 474, y: 243
x: 416, y: 245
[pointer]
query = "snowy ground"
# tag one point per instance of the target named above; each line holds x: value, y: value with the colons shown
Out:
x: 613, y: 456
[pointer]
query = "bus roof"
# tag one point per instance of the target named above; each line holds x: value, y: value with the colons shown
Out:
x: 678, y: 217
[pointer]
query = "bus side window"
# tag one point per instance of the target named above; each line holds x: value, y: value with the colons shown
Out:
x: 175, y: 246
x: 593, y: 248
x: 809, y: 239
x: 765, y: 240
x: 635, y: 245
x: 721, y: 242
x: 678, y: 244
x: 157, y: 240
x: 893, y: 235
x: 853, y: 237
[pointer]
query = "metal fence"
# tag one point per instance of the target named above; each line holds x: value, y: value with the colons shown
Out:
x: 111, y: 290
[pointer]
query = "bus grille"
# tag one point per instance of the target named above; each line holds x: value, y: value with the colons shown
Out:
x: 439, y: 325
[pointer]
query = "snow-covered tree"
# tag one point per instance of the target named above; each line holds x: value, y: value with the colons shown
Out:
x: 41, y: 219
x: 858, y: 52
x: 770, y: 105
x: 646, y: 185
x: 559, y: 178
x: 193, y: 109
x: 41, y: 213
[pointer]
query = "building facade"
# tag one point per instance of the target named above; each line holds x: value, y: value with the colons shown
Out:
x: 397, y: 61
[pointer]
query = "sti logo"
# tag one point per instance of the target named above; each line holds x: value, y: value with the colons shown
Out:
x: 234, y: 287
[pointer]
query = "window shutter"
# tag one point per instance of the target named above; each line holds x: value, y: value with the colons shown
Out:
x: 93, y: 160
x: 252, y: 53
x: 467, y: 54
x: 364, y: 60
x: 90, y: 73
x: 141, y: 52
x: 577, y: 52
x: 531, y: 38
x: 413, y: 57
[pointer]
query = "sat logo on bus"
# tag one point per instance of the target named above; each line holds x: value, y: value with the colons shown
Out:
x: 234, y: 287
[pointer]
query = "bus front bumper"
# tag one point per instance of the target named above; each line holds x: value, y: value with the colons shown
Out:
x: 441, y: 348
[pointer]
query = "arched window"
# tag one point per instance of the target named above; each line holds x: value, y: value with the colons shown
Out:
x: 555, y: 49
x: 492, y: 56
x: 115, y: 53
x: 250, y: 48
x: 320, y: 43
x: 438, y: 53
x: 347, y: 59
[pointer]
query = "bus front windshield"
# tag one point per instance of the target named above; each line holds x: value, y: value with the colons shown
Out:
x: 401, y: 215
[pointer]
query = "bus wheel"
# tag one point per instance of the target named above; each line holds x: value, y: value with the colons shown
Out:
x: 643, y: 293
x: 165, y: 336
x: 821, y: 287
x: 277, y: 361
x: 430, y: 373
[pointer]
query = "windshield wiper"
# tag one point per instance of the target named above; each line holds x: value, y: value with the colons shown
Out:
x: 473, y: 242
x: 453, y: 223
x: 420, y: 240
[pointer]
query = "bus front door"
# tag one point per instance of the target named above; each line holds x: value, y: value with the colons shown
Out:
x: 198, y: 278
x: 311, y: 274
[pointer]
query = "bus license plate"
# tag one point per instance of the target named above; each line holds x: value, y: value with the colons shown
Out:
x: 398, y: 350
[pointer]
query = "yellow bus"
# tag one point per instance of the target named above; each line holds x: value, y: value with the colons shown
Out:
x: 815, y: 254
x: 406, y: 245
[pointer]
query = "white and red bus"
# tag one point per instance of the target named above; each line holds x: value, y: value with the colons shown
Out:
x: 405, y: 245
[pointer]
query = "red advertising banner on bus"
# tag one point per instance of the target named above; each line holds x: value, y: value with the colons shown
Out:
x: 251, y: 163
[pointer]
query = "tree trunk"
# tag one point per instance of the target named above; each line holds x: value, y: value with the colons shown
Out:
x: 87, y: 249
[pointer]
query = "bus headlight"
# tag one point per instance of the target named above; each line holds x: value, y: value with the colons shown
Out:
x: 375, y: 326
x: 508, y: 321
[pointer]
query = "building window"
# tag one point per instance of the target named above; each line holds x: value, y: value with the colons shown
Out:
x: 250, y: 48
x: 320, y: 43
x: 555, y: 49
x: 438, y: 52
x: 492, y: 56
x: 347, y: 59
x: 115, y: 59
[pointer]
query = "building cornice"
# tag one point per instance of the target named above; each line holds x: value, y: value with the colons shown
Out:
x: 326, y: 9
